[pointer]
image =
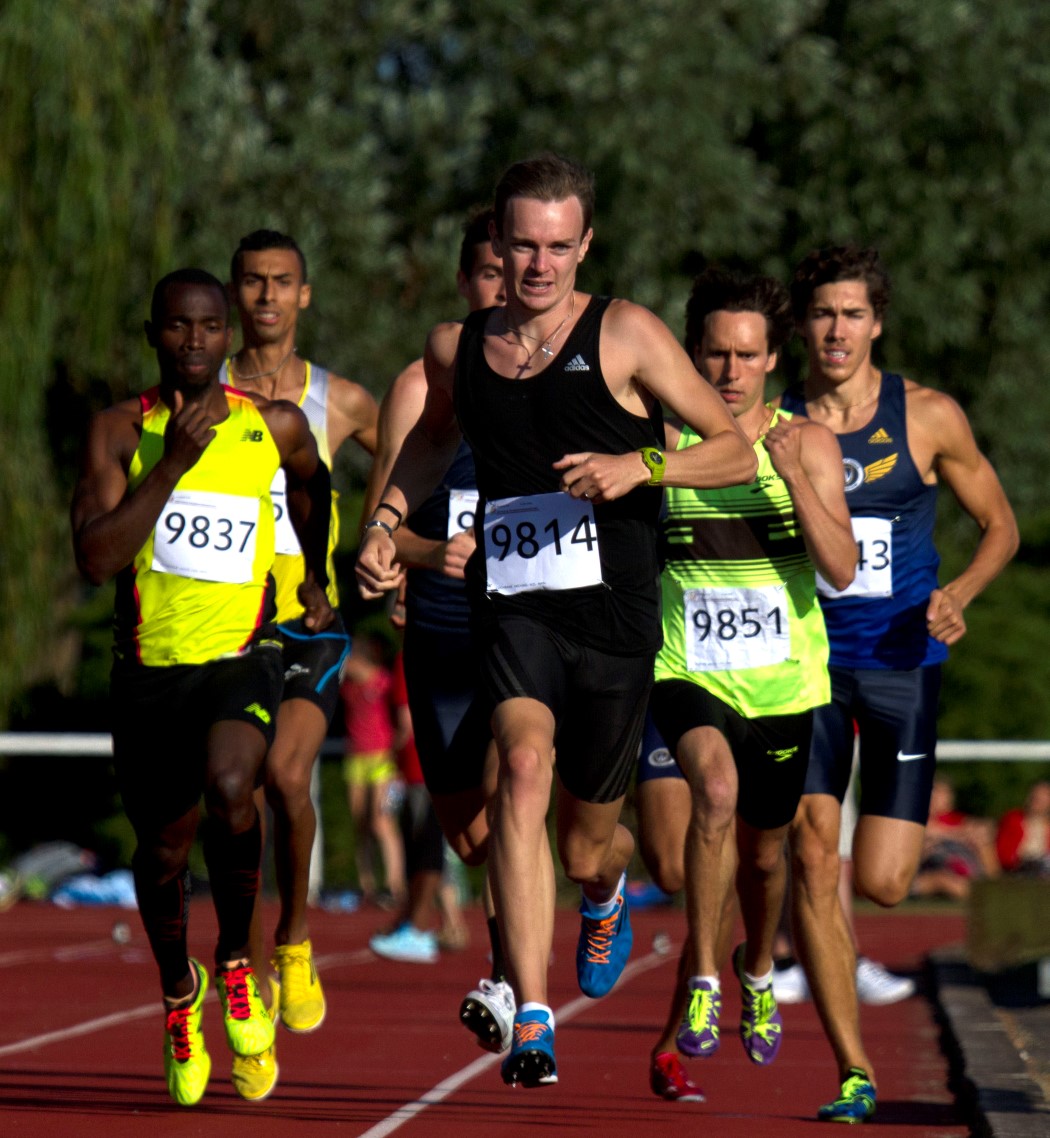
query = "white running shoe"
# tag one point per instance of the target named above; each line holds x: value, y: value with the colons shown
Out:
x: 877, y: 986
x: 488, y: 1012
x: 790, y: 985
x: 406, y: 944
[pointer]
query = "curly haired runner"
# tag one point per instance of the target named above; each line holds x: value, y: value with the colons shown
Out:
x: 889, y: 631
x: 743, y: 663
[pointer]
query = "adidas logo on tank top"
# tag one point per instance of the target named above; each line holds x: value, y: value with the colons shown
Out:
x: 577, y: 363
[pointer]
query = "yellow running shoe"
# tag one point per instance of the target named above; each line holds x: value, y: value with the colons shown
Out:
x: 249, y: 1029
x: 302, y: 1001
x: 255, y: 1076
x: 187, y: 1065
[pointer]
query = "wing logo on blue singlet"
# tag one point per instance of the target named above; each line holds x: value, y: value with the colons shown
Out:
x: 854, y: 473
x: 875, y: 470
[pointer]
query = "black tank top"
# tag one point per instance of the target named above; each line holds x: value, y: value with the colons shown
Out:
x: 517, y: 429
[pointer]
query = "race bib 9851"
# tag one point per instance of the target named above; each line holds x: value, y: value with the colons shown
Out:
x: 734, y: 629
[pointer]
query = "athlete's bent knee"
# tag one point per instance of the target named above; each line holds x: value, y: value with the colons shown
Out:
x: 885, y: 889
x: 288, y: 789
x: 229, y: 797
x: 666, y: 870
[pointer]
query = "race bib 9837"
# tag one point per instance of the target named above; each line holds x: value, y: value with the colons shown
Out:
x: 207, y: 536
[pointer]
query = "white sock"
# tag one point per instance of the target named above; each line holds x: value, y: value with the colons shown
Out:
x: 603, y: 909
x: 760, y: 983
x: 534, y: 1007
x: 714, y: 982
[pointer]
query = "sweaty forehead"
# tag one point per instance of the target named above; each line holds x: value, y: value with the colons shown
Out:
x: 270, y: 263
x: 485, y: 258
x: 526, y: 216
x: 842, y: 294
x: 200, y: 301
x: 743, y: 331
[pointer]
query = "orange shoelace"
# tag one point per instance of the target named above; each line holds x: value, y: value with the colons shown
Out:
x: 528, y: 1032
x: 600, y: 933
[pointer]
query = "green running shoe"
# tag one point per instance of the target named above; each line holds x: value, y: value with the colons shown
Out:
x: 699, y: 1035
x: 249, y: 1029
x: 761, y: 1025
x: 255, y: 1076
x: 187, y: 1065
x: 856, y: 1101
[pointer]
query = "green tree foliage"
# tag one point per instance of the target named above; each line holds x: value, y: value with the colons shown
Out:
x: 85, y: 143
x: 736, y: 130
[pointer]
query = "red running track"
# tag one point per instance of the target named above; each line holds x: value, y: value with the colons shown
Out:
x: 81, y: 1033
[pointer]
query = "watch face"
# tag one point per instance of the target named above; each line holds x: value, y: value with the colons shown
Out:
x: 655, y: 456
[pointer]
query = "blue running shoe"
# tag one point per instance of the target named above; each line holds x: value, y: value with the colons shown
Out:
x: 856, y: 1101
x: 698, y: 1035
x: 531, y: 1059
x: 603, y: 947
x: 761, y: 1025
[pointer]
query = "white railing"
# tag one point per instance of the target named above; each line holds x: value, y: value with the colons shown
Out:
x: 83, y: 745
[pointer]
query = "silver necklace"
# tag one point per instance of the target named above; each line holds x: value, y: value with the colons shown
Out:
x: 546, y: 347
x: 264, y: 374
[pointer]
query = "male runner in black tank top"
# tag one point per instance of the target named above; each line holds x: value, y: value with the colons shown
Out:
x: 558, y: 395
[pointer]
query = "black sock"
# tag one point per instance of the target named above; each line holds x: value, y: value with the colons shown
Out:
x: 233, y: 869
x: 499, y: 967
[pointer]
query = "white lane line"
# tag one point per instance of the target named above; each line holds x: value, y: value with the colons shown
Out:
x: 447, y: 1086
x: 65, y: 954
x: 85, y: 1028
x: 116, y: 1019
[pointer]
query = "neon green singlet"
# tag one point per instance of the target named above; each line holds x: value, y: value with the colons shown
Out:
x: 740, y: 610
x: 199, y: 589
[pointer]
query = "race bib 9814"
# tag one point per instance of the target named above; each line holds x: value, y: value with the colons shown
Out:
x: 540, y: 541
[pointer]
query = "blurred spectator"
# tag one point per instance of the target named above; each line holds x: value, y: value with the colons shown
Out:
x: 369, y: 769
x: 1023, y: 840
x: 411, y: 939
x: 958, y: 848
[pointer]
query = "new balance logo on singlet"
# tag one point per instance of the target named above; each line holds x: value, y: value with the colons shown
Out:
x: 880, y: 436
x: 251, y: 436
x: 259, y: 712
x: 577, y: 363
